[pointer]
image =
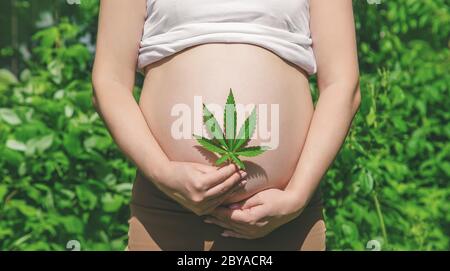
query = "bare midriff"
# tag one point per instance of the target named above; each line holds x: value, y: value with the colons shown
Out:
x: 257, y: 76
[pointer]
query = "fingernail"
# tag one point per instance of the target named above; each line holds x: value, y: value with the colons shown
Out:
x: 243, y: 173
x: 207, y: 221
x: 242, y: 183
x: 234, y: 206
x: 224, y: 234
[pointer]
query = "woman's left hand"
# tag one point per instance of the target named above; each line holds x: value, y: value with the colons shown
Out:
x: 258, y: 215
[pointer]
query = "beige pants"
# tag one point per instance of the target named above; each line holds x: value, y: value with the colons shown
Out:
x: 159, y: 223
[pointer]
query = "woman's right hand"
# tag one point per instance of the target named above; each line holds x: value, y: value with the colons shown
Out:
x: 198, y: 187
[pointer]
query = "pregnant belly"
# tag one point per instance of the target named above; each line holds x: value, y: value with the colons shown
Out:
x: 175, y: 88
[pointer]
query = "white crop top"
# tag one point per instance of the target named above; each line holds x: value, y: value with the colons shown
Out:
x: 281, y: 26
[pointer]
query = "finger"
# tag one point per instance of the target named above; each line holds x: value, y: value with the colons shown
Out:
x: 212, y: 220
x: 234, y: 235
x: 244, y: 216
x: 250, y: 216
x: 216, y: 177
x: 258, y: 213
x: 226, y: 214
x: 234, y: 182
x: 216, y: 201
x: 253, y: 201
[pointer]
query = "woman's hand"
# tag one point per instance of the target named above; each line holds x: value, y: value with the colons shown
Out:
x: 258, y: 215
x: 200, y: 188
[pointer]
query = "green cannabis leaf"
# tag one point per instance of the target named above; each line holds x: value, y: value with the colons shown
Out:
x: 226, y: 143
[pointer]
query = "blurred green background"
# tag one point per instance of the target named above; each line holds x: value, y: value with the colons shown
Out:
x: 62, y: 178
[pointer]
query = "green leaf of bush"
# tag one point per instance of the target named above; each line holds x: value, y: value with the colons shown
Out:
x: 16, y: 145
x: 9, y: 116
x: 7, y: 77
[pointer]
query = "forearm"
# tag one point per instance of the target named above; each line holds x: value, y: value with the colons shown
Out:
x: 126, y: 124
x: 331, y: 120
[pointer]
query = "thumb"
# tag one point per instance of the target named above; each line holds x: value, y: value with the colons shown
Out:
x: 247, y: 204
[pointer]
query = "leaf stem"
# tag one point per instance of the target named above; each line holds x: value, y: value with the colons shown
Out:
x: 380, y: 215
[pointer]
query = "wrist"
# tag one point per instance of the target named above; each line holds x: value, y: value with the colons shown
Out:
x: 301, y: 189
x: 156, y: 170
x: 295, y: 201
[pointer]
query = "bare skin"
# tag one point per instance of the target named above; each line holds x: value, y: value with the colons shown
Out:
x: 283, y: 180
x: 213, y: 70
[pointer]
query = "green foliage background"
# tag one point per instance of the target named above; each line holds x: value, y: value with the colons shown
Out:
x: 63, y: 178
